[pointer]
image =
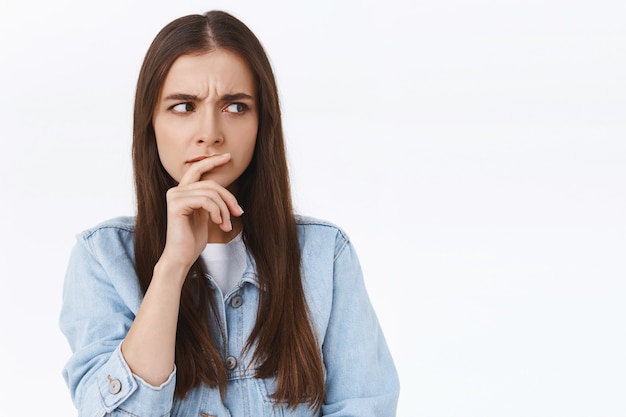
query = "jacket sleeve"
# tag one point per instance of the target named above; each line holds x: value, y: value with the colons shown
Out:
x: 95, y: 318
x: 361, y: 379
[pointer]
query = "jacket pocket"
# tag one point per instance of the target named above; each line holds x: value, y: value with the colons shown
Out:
x: 266, y: 388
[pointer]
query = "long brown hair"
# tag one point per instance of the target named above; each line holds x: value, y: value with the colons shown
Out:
x: 286, y: 346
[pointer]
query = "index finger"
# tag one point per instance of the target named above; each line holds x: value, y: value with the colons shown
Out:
x: 197, y: 169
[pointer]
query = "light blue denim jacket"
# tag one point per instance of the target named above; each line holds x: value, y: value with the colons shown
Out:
x: 102, y: 296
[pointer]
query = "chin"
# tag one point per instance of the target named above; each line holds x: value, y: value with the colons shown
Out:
x: 222, y: 180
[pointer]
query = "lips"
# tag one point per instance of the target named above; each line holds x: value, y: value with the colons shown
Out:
x: 198, y: 158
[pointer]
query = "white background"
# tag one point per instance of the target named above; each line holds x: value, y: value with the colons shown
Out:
x: 475, y: 151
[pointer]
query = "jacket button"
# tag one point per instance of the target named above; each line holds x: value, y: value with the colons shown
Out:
x: 236, y: 301
x: 115, y: 386
x: 231, y: 363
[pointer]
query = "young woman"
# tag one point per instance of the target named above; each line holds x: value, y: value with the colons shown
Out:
x: 216, y: 299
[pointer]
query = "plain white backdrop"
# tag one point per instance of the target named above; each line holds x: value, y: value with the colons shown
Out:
x: 475, y: 152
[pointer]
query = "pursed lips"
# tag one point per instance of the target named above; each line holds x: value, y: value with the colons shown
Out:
x: 200, y: 158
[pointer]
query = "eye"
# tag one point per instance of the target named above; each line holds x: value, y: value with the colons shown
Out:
x: 236, y: 108
x: 183, y: 107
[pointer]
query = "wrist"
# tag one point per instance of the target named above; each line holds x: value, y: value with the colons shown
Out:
x: 170, y: 270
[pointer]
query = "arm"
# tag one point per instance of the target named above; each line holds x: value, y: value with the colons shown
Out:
x: 149, y: 346
x: 192, y: 207
x: 116, y: 352
x: 361, y: 377
x: 100, y: 298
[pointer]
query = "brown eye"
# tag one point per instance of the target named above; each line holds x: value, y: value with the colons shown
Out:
x: 236, y: 108
x: 183, y: 107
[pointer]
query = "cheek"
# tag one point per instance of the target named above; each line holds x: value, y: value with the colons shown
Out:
x: 169, y: 135
x: 253, y: 131
x: 163, y: 134
x: 243, y: 139
x: 250, y: 143
x: 163, y: 147
x: 166, y: 147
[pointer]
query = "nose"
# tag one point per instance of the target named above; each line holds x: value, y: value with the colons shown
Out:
x: 209, y: 130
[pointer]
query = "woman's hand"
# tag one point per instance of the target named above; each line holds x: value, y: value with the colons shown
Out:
x: 191, y: 206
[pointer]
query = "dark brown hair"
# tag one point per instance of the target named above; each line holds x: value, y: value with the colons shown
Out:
x: 286, y: 346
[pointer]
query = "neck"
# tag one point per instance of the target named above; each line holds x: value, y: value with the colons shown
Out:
x: 217, y: 235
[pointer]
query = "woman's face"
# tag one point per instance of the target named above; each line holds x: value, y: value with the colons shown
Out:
x: 207, y: 106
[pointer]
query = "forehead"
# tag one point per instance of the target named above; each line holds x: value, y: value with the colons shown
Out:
x: 216, y: 72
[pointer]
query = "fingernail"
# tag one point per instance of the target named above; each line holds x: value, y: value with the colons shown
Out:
x: 230, y: 226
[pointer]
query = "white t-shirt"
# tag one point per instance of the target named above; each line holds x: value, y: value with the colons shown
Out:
x: 225, y: 262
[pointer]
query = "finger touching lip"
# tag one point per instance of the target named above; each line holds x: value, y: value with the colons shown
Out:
x: 197, y: 159
x: 203, y: 157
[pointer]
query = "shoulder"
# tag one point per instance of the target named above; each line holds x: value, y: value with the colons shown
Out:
x: 114, y: 225
x: 103, y: 258
x: 316, y: 234
x: 314, y: 225
x: 110, y: 238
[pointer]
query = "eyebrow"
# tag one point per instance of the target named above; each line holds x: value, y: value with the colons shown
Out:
x: 237, y: 96
x: 193, y: 97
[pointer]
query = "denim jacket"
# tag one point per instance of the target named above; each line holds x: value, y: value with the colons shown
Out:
x: 101, y: 297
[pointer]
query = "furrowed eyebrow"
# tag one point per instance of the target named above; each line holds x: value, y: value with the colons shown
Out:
x: 237, y: 96
x: 193, y: 97
x: 182, y: 97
